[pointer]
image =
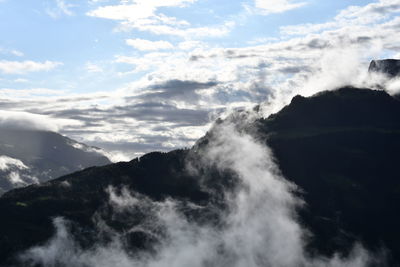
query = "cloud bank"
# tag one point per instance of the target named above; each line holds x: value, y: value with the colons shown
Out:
x: 29, y: 121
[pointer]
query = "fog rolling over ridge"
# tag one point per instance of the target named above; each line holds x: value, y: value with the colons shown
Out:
x: 259, y: 225
x: 199, y: 133
x: 312, y: 185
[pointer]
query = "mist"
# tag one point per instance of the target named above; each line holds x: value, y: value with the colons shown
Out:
x: 15, y: 172
x: 342, y: 65
x: 153, y: 76
x: 259, y: 227
x: 29, y: 121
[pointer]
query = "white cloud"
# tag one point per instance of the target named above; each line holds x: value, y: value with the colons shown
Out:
x: 123, y: 12
x: 28, y: 93
x: 65, y: 7
x: 13, y: 52
x: 93, y: 68
x: 157, y: 27
x: 188, y: 45
x: 20, y: 80
x: 350, y: 17
x: 62, y: 8
x: 26, y: 120
x: 164, y: 3
x: 22, y: 67
x: 143, y: 16
x: 138, y: 10
x: 97, y: 1
x: 7, y: 162
x: 146, y: 45
x: 143, y: 63
x: 17, y: 53
x: 322, y: 57
x: 277, y: 6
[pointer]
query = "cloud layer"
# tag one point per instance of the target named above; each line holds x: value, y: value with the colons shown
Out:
x: 178, y: 81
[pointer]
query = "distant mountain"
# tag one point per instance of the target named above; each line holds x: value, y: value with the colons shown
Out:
x: 32, y: 156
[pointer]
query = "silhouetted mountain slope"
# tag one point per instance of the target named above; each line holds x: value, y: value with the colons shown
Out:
x: 81, y: 195
x: 340, y: 147
x: 30, y: 156
x: 346, y: 107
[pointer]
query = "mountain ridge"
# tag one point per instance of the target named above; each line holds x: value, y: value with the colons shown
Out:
x: 346, y: 164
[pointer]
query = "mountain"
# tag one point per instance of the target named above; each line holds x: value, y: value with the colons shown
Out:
x: 339, y: 147
x: 33, y: 156
x: 390, y: 67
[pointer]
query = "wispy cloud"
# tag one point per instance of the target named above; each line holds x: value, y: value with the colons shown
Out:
x: 13, y: 52
x: 28, y: 93
x: 277, y: 6
x: 352, y: 16
x: 22, y: 67
x: 146, y: 45
x: 144, y: 16
x: 6, y: 163
x: 62, y: 8
x: 134, y: 10
x: 93, y: 68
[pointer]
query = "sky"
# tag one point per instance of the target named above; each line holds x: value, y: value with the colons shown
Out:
x: 134, y: 76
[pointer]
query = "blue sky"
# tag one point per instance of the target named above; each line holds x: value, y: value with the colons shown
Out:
x: 42, y: 31
x: 115, y: 72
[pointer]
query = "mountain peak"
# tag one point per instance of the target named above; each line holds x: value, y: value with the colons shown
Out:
x: 390, y: 67
x: 345, y: 107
